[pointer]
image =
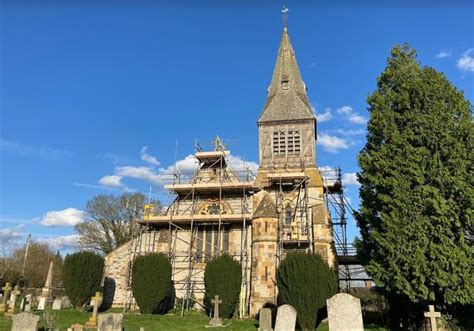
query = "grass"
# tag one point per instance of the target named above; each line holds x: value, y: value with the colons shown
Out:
x: 192, y: 320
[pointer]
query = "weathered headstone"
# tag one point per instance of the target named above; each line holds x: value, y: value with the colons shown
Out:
x: 432, y: 315
x: 286, y: 318
x: 96, y: 301
x: 12, y: 306
x: 216, y: 320
x: 42, y: 303
x: 265, y: 320
x: 57, y: 303
x: 344, y: 313
x: 110, y: 322
x: 25, y: 322
x: 6, y: 290
x: 77, y: 327
x: 65, y: 302
x: 28, y: 302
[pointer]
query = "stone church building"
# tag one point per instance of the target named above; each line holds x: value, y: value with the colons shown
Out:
x: 256, y: 218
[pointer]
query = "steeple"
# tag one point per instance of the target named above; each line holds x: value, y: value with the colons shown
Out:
x: 287, y: 99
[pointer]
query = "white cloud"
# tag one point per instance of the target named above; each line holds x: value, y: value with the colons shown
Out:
x: 357, y: 119
x: 143, y: 173
x: 61, y: 242
x: 444, y: 54
x: 24, y: 150
x: 466, y: 61
x: 331, y: 143
x: 350, y: 132
x: 350, y: 178
x: 351, y: 116
x: 147, y: 157
x: 345, y: 110
x: 12, y: 233
x: 65, y: 217
x: 186, y: 167
x: 324, y: 117
x: 113, y: 181
x: 239, y: 165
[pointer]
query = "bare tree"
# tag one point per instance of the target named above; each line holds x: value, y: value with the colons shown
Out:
x: 8, y: 243
x: 110, y: 221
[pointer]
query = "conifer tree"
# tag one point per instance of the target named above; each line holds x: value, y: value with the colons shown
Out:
x: 417, y: 192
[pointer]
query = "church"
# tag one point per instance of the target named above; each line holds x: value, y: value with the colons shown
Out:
x: 255, y: 218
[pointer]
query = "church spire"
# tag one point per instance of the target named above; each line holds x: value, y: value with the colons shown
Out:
x: 287, y: 98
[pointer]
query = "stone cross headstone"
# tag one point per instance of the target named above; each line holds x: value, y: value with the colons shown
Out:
x: 286, y: 318
x: 110, y: 322
x: 12, y: 307
x: 344, y: 313
x: 97, y: 301
x: 57, y: 304
x: 216, y: 320
x: 24, y: 322
x: 6, y: 290
x: 432, y: 315
x: 265, y: 320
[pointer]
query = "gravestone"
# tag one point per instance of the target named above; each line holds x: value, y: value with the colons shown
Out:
x: 110, y: 322
x: 286, y: 318
x: 42, y: 303
x: 77, y: 327
x: 344, y: 313
x: 28, y: 303
x: 22, y: 304
x: 265, y: 320
x: 96, y: 301
x: 432, y: 315
x: 6, y: 290
x: 12, y: 306
x: 216, y: 320
x: 65, y: 302
x: 57, y: 304
x: 25, y: 322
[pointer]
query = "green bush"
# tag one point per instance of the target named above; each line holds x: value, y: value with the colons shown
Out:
x: 82, y: 274
x: 305, y: 281
x: 223, y: 277
x: 151, y: 282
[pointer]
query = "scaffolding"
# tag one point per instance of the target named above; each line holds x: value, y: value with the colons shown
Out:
x: 350, y: 270
x: 194, y: 234
x: 295, y: 227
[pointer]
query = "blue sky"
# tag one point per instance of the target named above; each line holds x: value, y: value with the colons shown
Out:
x: 85, y: 87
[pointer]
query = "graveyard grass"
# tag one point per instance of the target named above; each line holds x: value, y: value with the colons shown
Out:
x: 193, y: 320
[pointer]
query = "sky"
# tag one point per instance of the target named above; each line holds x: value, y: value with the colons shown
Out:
x: 105, y: 97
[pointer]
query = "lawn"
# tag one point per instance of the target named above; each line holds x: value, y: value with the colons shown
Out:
x: 132, y: 322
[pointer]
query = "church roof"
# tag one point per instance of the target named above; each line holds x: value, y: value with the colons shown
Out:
x: 287, y: 98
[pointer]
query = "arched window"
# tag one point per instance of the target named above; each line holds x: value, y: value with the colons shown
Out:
x: 288, y: 216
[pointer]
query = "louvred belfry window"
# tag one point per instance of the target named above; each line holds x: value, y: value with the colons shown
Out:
x: 279, y: 142
x: 294, y: 144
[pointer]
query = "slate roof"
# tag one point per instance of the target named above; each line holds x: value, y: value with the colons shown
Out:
x: 288, y: 102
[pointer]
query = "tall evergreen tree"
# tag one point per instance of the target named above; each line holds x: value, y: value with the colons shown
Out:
x: 417, y: 185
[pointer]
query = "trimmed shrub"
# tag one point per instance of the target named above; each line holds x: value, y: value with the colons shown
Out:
x: 82, y: 275
x: 151, y: 282
x: 223, y: 277
x: 305, y: 281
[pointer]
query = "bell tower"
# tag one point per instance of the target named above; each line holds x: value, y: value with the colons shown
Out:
x: 287, y: 135
x: 290, y: 211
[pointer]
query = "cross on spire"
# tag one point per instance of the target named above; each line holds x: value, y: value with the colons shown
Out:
x: 284, y: 15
